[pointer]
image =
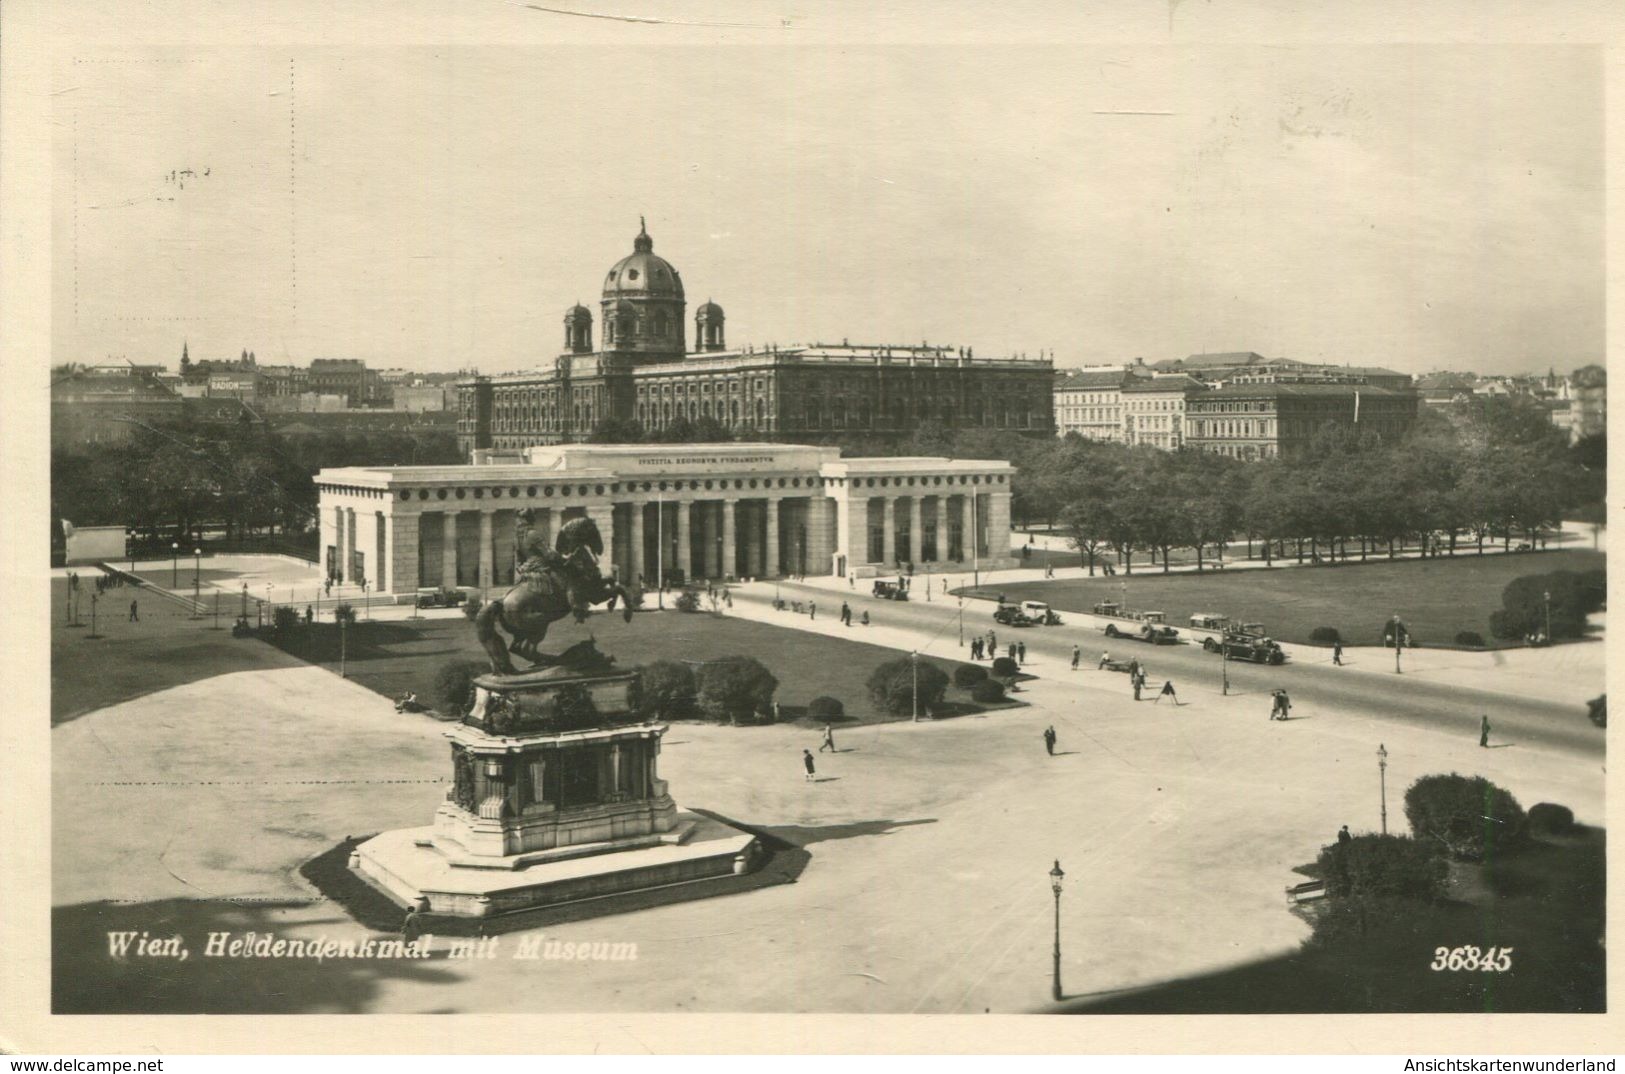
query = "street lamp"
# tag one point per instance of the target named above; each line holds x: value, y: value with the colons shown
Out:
x: 961, y: 620
x: 1547, y: 596
x: 1055, y: 878
x: 1224, y: 663
x: 1398, y: 642
x: 197, y: 582
x: 366, y: 601
x: 174, y: 564
x: 270, y: 606
x: 914, y: 694
x: 1382, y: 775
x: 93, y: 633
x: 244, y: 611
x: 343, y: 651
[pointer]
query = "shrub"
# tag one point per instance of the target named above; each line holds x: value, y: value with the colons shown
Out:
x: 1005, y: 668
x: 1470, y: 638
x: 1340, y: 922
x: 1325, y: 635
x: 892, y: 686
x: 665, y: 690
x: 1469, y: 817
x: 987, y: 692
x: 826, y: 709
x: 453, y: 685
x: 344, y: 613
x: 1524, y: 608
x: 968, y: 675
x: 688, y: 601
x: 284, y: 619
x: 735, y: 688
x: 1375, y: 867
x: 1551, y: 819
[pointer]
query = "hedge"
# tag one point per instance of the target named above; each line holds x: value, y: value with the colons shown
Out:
x: 826, y: 709
x: 968, y: 675
x: 453, y: 685
x: 665, y: 690
x: 735, y: 689
x: 1005, y: 668
x: 987, y: 692
x: 1468, y: 817
x: 1382, y: 867
x: 1551, y: 818
x: 1470, y: 638
x: 892, y: 685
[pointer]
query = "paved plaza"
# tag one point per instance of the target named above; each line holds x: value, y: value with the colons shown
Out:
x: 191, y: 808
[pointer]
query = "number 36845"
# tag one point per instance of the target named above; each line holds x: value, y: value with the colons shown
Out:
x: 1495, y: 960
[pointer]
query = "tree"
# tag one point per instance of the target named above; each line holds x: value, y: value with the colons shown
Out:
x: 892, y: 686
x: 1468, y: 817
x: 616, y: 431
x: 665, y: 690
x: 735, y: 688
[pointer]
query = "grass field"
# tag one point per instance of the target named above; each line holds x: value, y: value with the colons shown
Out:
x: 1436, y: 598
x: 399, y: 655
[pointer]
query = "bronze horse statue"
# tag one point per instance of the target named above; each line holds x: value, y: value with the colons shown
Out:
x: 551, y: 583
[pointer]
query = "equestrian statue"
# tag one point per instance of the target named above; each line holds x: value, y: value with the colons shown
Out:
x: 550, y: 584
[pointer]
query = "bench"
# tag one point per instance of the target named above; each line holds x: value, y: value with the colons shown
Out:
x: 1307, y: 891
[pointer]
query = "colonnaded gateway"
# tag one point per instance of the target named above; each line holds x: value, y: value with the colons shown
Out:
x: 667, y: 512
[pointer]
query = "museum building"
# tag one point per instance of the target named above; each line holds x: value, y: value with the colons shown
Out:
x: 643, y: 371
x: 667, y: 513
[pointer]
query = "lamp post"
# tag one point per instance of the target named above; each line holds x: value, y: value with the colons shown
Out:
x: 961, y: 620
x: 1224, y: 663
x: 1547, y: 599
x: 93, y: 634
x: 216, y: 610
x: 366, y: 598
x: 914, y: 694
x: 244, y: 612
x: 343, y: 651
x: 270, y: 607
x: 1055, y: 878
x: 174, y: 564
x: 197, y: 582
x: 1382, y: 776
x: 1398, y: 643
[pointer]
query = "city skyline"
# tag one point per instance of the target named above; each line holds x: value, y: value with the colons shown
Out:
x: 439, y: 209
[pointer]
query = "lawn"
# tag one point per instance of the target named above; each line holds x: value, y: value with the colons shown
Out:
x: 391, y: 657
x: 1436, y: 598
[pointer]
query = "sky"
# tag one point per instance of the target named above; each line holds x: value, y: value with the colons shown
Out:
x: 438, y: 208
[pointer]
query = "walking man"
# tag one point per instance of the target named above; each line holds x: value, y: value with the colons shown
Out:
x: 1337, y: 653
x: 1077, y: 654
x: 992, y: 643
x: 134, y: 617
x: 1282, y: 705
x: 1484, y: 731
x: 976, y: 648
x: 1021, y: 652
x: 1167, y: 691
x: 812, y: 609
x: 1049, y: 740
x: 807, y: 763
x: 846, y: 614
x: 829, y: 740
x: 1137, y: 683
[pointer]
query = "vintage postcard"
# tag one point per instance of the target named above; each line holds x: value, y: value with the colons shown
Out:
x: 1070, y: 517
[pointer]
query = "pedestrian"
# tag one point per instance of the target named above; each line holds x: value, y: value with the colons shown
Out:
x: 1105, y: 658
x: 727, y: 596
x: 310, y: 615
x: 976, y: 648
x: 1077, y: 654
x: 1135, y: 681
x: 409, y: 925
x: 1021, y: 652
x: 1337, y: 653
x: 1167, y: 691
x: 1011, y: 651
x: 992, y: 643
x: 846, y: 614
x: 852, y: 580
x: 829, y: 740
x: 812, y: 609
x: 134, y: 615
x: 807, y: 763
x: 1484, y: 731
x: 866, y: 618
x: 1343, y: 837
x: 1049, y: 740
x: 327, y: 587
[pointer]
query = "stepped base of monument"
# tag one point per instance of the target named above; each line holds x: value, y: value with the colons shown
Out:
x: 405, y: 864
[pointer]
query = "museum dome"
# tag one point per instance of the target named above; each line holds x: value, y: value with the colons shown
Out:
x: 643, y: 274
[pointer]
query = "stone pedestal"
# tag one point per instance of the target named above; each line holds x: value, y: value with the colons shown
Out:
x: 552, y: 799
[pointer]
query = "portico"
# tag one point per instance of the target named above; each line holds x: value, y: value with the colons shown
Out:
x: 667, y: 513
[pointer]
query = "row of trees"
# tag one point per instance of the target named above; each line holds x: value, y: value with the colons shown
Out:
x: 178, y: 478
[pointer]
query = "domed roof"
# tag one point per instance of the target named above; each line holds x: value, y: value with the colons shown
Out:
x: 578, y: 312
x: 709, y: 310
x: 642, y: 274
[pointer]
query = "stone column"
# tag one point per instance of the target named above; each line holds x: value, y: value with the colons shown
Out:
x: 914, y: 529
x: 381, y: 570
x: 942, y: 529
x: 603, y: 516
x: 820, y: 550
x: 770, y: 554
x: 487, y: 550
x: 685, y: 544
x: 888, y: 522
x: 998, y: 523
x: 403, y: 553
x: 637, y: 541
x: 730, y: 558
x: 448, y: 550
x: 349, y: 545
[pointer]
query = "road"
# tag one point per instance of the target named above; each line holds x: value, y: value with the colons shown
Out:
x: 1378, y: 693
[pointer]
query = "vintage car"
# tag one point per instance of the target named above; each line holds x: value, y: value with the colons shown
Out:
x: 440, y: 597
x: 1109, y: 608
x: 1252, y: 647
x: 889, y: 590
x: 1012, y: 615
x: 1154, y: 633
x: 1209, y: 621
x: 1040, y: 613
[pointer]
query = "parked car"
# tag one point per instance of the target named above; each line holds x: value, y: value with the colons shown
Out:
x: 1209, y: 621
x: 1254, y: 648
x: 889, y: 590
x: 1012, y: 615
x: 1109, y: 608
x: 1148, y: 632
x: 1040, y: 613
x: 440, y: 597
